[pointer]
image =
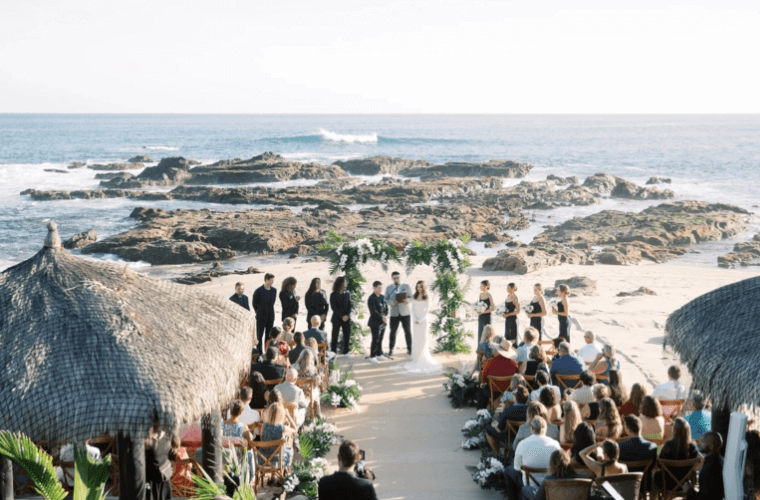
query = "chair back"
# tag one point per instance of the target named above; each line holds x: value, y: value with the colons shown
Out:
x: 531, y: 381
x: 308, y: 385
x: 497, y: 385
x: 271, y: 383
x: 265, y: 460
x: 671, y: 408
x: 68, y: 475
x: 567, y: 489
x: 323, y: 365
x: 512, y: 428
x: 548, y: 346
x: 603, y: 379
x: 291, y: 407
x: 666, y: 468
x: 562, y: 381
x: 627, y: 485
x: 529, y: 471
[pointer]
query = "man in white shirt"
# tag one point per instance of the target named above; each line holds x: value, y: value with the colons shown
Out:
x: 543, y: 380
x: 672, y: 389
x: 249, y: 416
x: 583, y: 395
x: 529, y: 338
x: 589, y: 351
x: 531, y: 452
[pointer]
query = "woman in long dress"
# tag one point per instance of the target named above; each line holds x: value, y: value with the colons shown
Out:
x: 422, y: 362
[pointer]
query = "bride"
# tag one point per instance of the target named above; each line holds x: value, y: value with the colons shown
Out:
x: 422, y: 362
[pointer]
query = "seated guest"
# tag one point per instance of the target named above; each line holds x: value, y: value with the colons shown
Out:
x: 570, y: 422
x: 631, y: 407
x: 678, y: 447
x: 288, y: 325
x: 605, y: 362
x: 583, y: 394
x: 304, y: 365
x: 274, y: 428
x: 608, y: 424
x: 543, y: 380
x: 652, y: 421
x: 293, y: 394
x: 312, y: 344
x: 259, y: 391
x: 518, y: 412
x: 567, y: 364
x: 556, y: 342
x: 700, y: 419
x: 589, y: 351
x: 502, y: 365
x: 531, y: 452
x: 249, y: 415
x: 591, y: 410
x: 273, y: 397
x: 672, y: 389
x: 711, y: 473
x: 583, y: 438
x: 315, y: 332
x: 550, y: 400
x: 232, y: 427
x: 609, y: 464
x: 269, y: 369
x: 618, y: 393
x: 535, y: 409
x: 517, y: 381
x: 560, y: 467
x: 636, y: 448
x: 273, y: 337
x: 529, y: 339
x: 296, y: 350
x: 487, y: 345
x: 344, y: 485
x: 537, y: 359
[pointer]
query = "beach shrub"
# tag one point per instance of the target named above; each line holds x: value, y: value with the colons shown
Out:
x: 462, y: 388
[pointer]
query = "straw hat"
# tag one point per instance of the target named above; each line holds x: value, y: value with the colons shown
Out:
x: 504, y: 348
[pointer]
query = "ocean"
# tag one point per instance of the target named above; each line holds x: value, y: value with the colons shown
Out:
x: 714, y: 158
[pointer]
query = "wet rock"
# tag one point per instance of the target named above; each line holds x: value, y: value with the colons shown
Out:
x: 76, y: 164
x: 641, y: 291
x: 600, y: 183
x: 658, y: 180
x: 80, y: 240
x: 268, y: 167
x: 629, y: 190
x: 116, y: 166
x: 46, y: 195
x: 140, y: 159
x: 579, y: 285
x: 168, y: 172
x: 744, y: 254
x: 56, y: 170
x: 113, y: 175
x: 562, y: 181
x: 492, y: 168
x: 376, y: 165
x: 216, y: 271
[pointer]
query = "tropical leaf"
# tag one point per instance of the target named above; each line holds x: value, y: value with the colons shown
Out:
x: 90, y: 475
x: 36, y: 463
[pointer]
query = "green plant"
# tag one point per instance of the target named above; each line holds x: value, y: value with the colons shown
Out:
x: 462, y: 388
x: 207, y: 489
x: 344, y: 393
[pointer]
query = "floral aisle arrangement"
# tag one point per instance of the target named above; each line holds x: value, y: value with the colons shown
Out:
x: 316, y: 439
x: 346, y: 259
x: 474, y: 431
x: 490, y: 473
x: 462, y: 388
x: 343, y: 390
x: 449, y: 259
x: 320, y: 436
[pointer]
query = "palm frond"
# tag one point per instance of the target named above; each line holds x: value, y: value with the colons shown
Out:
x: 90, y: 475
x: 36, y: 463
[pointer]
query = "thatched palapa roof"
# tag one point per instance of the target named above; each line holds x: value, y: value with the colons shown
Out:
x: 716, y: 336
x: 89, y: 347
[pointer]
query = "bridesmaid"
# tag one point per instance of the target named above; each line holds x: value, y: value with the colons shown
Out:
x: 563, y: 312
x: 484, y: 318
x: 316, y: 302
x: 539, y: 310
x: 513, y: 309
x: 289, y: 299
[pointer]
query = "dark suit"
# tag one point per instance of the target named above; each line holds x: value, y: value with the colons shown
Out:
x: 316, y: 333
x: 378, y: 310
x: 517, y: 412
x: 345, y: 486
x: 637, y: 449
x: 710, y: 480
x: 242, y: 301
x: 289, y: 303
x: 263, y: 303
x: 268, y: 369
x: 316, y: 305
x: 341, y: 305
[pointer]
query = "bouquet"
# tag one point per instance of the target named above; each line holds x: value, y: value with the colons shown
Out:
x: 501, y: 309
x: 479, y: 307
x: 553, y: 304
x: 528, y: 309
x: 474, y: 431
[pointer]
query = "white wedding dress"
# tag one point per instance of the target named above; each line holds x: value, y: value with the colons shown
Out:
x: 422, y: 362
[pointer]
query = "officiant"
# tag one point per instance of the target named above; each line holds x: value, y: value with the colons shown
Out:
x: 398, y: 295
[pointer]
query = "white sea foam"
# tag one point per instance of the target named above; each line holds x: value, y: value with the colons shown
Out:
x: 161, y: 148
x: 336, y: 137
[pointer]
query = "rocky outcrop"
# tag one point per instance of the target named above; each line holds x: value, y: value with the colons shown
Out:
x: 579, y: 285
x: 658, y: 233
x: 376, y: 165
x: 80, y: 240
x: 637, y: 293
x: 658, y: 180
x: 56, y: 170
x: 744, y: 254
x: 629, y: 190
x: 75, y: 164
x: 492, y: 168
x: 217, y: 271
x: 168, y: 172
x: 116, y: 166
x: 269, y: 167
x: 140, y: 159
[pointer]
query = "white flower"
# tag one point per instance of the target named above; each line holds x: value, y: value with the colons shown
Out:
x: 350, y: 401
x: 349, y: 383
x: 335, y: 399
x: 291, y: 483
x: 479, y: 307
x: 483, y: 413
x: 470, y: 424
x: 495, y: 464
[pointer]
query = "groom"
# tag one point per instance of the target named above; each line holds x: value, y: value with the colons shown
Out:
x: 398, y: 295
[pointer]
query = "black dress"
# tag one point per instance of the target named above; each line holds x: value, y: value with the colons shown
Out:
x: 484, y: 319
x: 564, y: 322
x: 289, y: 303
x: 538, y: 321
x: 510, y: 323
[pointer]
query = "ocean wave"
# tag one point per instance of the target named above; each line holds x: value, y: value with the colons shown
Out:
x: 161, y: 148
x: 336, y: 137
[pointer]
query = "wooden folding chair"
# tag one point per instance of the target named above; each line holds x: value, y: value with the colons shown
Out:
x: 671, y: 408
x: 265, y: 461
x: 497, y: 385
x: 645, y: 467
x: 529, y: 471
x: 567, y: 489
x: 323, y: 365
x: 548, y: 347
x: 531, y: 381
x: 291, y: 407
x: 68, y: 475
x: 627, y: 485
x: 562, y: 381
x: 274, y: 382
x: 603, y: 379
x: 666, y: 470
x: 308, y: 385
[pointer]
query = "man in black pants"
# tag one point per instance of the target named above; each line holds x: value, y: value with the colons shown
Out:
x: 378, y: 317
x: 398, y: 295
x: 264, y: 299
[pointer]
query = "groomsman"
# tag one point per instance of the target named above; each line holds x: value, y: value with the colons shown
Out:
x: 378, y: 318
x: 239, y: 297
x: 398, y: 295
x: 264, y: 299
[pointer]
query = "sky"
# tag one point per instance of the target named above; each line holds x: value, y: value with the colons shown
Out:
x: 366, y: 56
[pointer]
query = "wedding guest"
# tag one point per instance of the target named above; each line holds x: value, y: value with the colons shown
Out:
x: 590, y: 349
x: 316, y: 332
x: 652, y: 421
x: 312, y: 344
x: 264, y: 299
x: 672, y: 389
x: 344, y: 485
x: 275, y: 428
x: 289, y: 299
x: 67, y: 455
x: 340, y: 303
x: 562, y: 311
x: 498, y: 436
x: 531, y: 452
x: 273, y: 338
x: 605, y: 361
x: 700, y: 420
x: 268, y: 368
x: 711, y: 473
x: 158, y: 468
x: 288, y: 328
x: 678, y: 447
x: 608, y: 424
x: 530, y: 337
x: 591, y: 410
x: 484, y: 317
x: 560, y: 467
x: 306, y: 367
x: 537, y: 310
x: 636, y: 448
x: 232, y: 426
x: 249, y: 415
x: 631, y: 407
x: 501, y: 365
x: 583, y: 437
x: 550, y: 400
x: 583, y: 394
x: 543, y: 380
x: 486, y: 346
x: 378, y: 318
x: 293, y: 394
x: 296, y: 350
x: 567, y: 364
x: 259, y: 391
x: 316, y: 303
x: 517, y: 381
x: 617, y: 389
x: 535, y: 409
x: 400, y: 311
x: 609, y: 465
x: 571, y: 421
x: 238, y: 297
x: 537, y: 360
x: 512, y: 305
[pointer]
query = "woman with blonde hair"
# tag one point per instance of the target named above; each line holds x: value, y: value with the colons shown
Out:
x: 562, y: 310
x: 608, y: 425
x: 486, y: 345
x: 535, y: 409
x: 484, y: 318
x: 631, y: 407
x: 307, y: 369
x: 537, y: 310
x: 288, y: 327
x: 571, y: 421
x: 274, y: 428
x: 678, y: 447
x: 517, y: 381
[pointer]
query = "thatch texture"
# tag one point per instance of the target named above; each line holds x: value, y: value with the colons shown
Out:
x: 89, y: 347
x: 716, y: 336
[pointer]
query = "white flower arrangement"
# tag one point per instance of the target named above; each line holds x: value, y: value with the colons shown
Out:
x: 501, y: 309
x: 490, y: 472
x: 474, y: 430
x: 528, y: 309
x: 291, y: 483
x: 479, y: 307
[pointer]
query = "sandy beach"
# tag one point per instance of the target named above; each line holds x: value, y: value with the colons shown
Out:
x: 406, y: 424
